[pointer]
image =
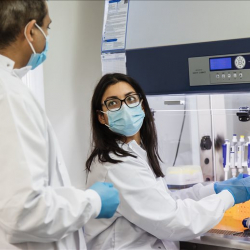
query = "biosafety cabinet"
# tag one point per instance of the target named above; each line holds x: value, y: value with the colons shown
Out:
x: 199, y: 95
x: 192, y: 59
x: 201, y: 108
x: 204, y: 135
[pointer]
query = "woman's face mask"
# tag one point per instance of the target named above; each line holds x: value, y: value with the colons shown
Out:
x: 126, y: 121
x: 37, y: 58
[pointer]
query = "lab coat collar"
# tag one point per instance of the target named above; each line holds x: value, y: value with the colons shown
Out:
x: 137, y: 149
x: 21, y: 72
x: 8, y: 65
x: 133, y: 145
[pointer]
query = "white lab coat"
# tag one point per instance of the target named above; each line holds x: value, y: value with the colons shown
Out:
x: 39, y: 209
x: 149, y: 215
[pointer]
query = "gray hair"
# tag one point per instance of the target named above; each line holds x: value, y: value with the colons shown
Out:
x: 14, y: 16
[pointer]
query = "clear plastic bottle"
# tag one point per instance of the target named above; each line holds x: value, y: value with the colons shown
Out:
x: 240, y: 153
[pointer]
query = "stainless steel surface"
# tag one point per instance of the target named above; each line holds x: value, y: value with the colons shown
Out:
x: 223, y: 238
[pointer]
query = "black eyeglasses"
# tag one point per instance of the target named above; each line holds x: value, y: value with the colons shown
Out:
x: 115, y: 104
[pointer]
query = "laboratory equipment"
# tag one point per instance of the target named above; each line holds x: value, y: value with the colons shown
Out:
x: 243, y: 114
x: 236, y: 149
x: 208, y: 67
x: 233, y: 158
x: 246, y: 222
x: 211, y: 110
x: 240, y: 154
x: 183, y: 176
x: 206, y: 116
x: 248, y: 155
x: 217, y: 70
x: 226, y: 154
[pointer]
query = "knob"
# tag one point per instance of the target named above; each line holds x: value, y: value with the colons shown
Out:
x: 206, y: 143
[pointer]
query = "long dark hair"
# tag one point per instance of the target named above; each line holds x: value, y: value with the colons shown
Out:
x: 104, y: 141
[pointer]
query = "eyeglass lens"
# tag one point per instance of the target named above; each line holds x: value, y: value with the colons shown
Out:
x: 115, y: 103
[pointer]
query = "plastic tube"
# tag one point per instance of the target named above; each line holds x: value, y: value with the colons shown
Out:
x: 246, y: 222
x: 226, y: 156
x: 248, y: 156
x: 233, y: 158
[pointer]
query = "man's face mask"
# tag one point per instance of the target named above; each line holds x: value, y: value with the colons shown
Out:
x: 37, y: 58
x: 126, y: 121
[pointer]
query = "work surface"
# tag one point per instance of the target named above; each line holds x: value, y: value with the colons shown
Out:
x: 230, y: 240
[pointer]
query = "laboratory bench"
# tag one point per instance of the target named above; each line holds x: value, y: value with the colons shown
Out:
x: 219, y: 240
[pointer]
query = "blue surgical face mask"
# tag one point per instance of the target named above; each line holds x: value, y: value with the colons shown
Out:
x: 37, y: 58
x: 126, y: 121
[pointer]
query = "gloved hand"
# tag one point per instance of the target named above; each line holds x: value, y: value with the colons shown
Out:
x: 109, y: 197
x: 239, y: 187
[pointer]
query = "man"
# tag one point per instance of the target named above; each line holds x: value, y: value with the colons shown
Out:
x: 39, y: 209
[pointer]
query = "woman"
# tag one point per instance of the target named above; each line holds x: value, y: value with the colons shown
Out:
x: 125, y: 153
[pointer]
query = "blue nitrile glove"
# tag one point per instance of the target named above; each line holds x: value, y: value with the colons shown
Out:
x: 239, y: 187
x: 109, y: 197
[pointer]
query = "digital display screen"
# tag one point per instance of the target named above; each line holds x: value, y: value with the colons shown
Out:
x: 221, y: 63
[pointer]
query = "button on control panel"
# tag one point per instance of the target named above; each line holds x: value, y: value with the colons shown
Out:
x: 227, y: 77
x: 240, y: 62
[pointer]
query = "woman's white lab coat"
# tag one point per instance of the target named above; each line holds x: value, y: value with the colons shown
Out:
x: 149, y: 215
x: 39, y: 209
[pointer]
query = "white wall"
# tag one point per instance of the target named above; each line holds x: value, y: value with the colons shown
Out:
x: 159, y: 23
x: 71, y: 72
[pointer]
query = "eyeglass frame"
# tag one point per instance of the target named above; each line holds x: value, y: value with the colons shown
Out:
x: 123, y: 100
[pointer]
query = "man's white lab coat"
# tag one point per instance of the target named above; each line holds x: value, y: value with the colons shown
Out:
x: 39, y: 209
x: 149, y: 215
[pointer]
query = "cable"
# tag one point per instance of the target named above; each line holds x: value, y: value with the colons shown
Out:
x: 184, y: 117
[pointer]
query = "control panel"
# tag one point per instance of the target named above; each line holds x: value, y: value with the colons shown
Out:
x: 217, y: 70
